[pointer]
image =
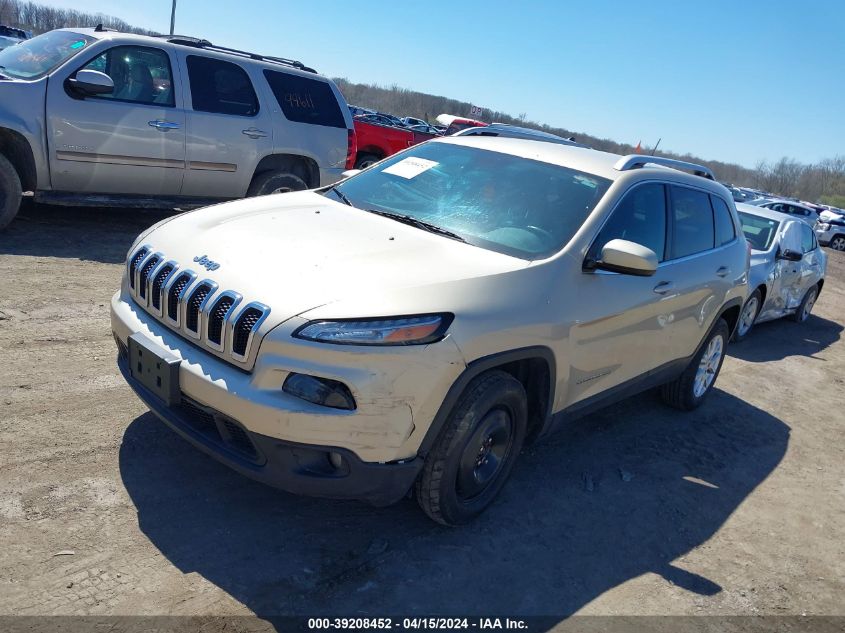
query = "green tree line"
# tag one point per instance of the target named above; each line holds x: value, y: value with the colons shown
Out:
x: 823, y: 181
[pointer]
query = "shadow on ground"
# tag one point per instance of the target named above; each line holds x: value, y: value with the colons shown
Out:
x: 776, y: 340
x: 618, y: 494
x: 95, y: 234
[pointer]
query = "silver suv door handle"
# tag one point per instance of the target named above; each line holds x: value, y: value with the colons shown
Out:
x: 663, y: 287
x: 724, y: 271
x: 254, y: 132
x: 164, y: 125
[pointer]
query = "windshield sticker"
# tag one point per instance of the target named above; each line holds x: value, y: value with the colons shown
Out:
x: 78, y: 44
x: 410, y: 167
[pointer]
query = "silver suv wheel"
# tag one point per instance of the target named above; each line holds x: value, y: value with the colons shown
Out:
x: 709, y: 365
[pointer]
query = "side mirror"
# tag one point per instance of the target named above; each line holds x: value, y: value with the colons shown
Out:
x: 790, y: 255
x: 350, y: 172
x: 628, y: 258
x: 91, y: 82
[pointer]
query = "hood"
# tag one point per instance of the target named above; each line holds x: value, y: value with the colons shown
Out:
x: 298, y: 251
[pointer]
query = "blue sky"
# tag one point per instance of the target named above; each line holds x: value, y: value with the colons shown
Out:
x: 736, y: 81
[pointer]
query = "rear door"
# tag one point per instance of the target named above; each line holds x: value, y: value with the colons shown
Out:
x: 131, y: 141
x: 228, y: 130
x: 702, y: 267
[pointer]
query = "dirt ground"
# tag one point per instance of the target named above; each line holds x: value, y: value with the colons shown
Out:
x: 737, y: 508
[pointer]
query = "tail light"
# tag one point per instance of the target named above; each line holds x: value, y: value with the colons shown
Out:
x: 351, y: 148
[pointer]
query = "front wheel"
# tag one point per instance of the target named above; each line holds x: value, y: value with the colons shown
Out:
x: 10, y: 192
x: 689, y: 389
x: 476, y: 450
x: 806, y: 307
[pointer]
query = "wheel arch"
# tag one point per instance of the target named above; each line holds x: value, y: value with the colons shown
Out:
x: 17, y: 151
x: 302, y: 166
x: 730, y: 313
x: 534, y: 367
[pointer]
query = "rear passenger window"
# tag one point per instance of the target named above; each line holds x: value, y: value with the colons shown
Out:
x: 639, y: 217
x: 220, y: 87
x: 305, y: 100
x: 692, y: 222
x: 725, y: 229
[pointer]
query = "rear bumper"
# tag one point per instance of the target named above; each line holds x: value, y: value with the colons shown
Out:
x: 302, y: 469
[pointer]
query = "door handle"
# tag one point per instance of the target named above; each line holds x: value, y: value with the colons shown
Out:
x: 164, y: 125
x: 724, y: 271
x: 663, y: 287
x: 254, y: 133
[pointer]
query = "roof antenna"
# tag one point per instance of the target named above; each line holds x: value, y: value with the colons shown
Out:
x: 654, y: 149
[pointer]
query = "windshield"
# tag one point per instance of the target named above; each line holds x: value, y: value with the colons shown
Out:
x: 512, y: 205
x: 760, y: 232
x: 34, y: 58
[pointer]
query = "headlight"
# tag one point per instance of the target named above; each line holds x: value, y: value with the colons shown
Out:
x: 410, y: 330
x: 822, y: 226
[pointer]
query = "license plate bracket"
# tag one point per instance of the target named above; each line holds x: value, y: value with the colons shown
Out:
x: 155, y: 368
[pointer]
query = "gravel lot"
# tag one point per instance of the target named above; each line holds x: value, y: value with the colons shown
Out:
x: 737, y: 508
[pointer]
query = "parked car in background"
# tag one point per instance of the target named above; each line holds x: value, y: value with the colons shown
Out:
x: 426, y: 129
x: 789, y: 207
x: 358, y: 110
x: 100, y: 117
x: 9, y: 36
x: 515, y: 131
x: 409, y: 121
x: 787, y: 267
x: 377, y: 138
x: 411, y: 326
x: 830, y: 231
x: 381, y: 119
x: 452, y: 123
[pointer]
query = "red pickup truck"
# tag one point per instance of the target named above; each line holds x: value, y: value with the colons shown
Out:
x: 377, y: 141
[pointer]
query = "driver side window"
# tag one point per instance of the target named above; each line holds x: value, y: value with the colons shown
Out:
x: 140, y: 74
x: 639, y: 217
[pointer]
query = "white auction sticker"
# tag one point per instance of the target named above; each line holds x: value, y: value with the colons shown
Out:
x: 410, y: 167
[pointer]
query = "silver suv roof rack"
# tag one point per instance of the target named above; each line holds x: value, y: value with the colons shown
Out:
x: 635, y: 161
x: 196, y: 42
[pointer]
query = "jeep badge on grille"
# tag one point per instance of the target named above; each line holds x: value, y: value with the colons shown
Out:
x: 203, y: 260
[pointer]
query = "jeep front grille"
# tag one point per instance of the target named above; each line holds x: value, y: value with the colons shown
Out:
x: 158, y: 282
x: 192, y: 311
x: 193, y: 307
x: 149, y: 264
x: 133, y: 265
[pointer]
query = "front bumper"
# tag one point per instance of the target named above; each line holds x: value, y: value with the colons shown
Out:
x: 824, y: 237
x: 297, y: 468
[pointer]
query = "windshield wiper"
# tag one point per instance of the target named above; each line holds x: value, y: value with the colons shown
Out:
x: 340, y: 195
x: 417, y: 223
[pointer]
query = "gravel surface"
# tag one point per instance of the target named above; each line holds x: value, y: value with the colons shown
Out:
x: 737, y: 508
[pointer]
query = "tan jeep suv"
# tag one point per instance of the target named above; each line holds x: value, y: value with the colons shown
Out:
x: 411, y: 327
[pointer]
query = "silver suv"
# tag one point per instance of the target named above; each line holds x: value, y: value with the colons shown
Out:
x: 412, y: 326
x: 100, y: 117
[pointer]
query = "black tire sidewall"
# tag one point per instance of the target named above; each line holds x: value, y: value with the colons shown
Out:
x: 10, y: 192
x: 363, y: 158
x: 266, y: 183
x: 741, y: 337
x: 506, y: 393
x: 799, y: 313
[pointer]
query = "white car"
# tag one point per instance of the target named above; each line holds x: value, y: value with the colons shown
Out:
x: 830, y: 231
x: 787, y: 267
x: 790, y: 207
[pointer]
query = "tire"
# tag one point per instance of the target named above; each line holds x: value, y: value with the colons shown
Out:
x: 10, y: 192
x: 838, y: 243
x: 807, y: 303
x: 475, y: 451
x: 362, y: 161
x: 690, y: 389
x: 268, y: 182
x: 746, y: 318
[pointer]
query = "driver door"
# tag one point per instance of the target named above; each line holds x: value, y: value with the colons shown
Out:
x: 131, y: 141
x: 786, y: 286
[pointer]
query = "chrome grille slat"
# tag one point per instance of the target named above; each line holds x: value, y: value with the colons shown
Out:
x: 194, y: 307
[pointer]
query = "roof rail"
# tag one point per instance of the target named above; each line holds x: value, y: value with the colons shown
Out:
x: 196, y: 42
x: 635, y: 161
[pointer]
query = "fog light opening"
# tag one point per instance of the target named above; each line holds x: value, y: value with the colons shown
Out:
x: 321, y: 391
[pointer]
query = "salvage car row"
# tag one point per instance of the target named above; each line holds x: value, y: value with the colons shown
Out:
x: 407, y: 328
